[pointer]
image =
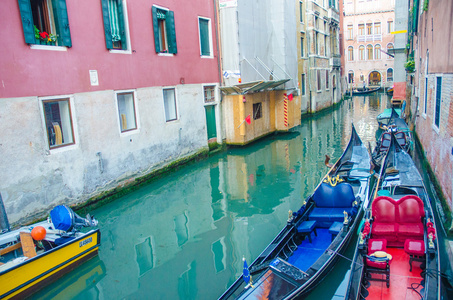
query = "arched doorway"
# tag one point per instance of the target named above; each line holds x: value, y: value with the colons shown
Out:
x: 374, y: 79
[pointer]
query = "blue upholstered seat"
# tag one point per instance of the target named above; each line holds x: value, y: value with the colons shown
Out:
x: 331, y: 203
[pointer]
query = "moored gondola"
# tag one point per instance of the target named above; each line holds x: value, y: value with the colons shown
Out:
x: 308, y: 246
x: 397, y: 250
x: 402, y: 133
x: 364, y: 91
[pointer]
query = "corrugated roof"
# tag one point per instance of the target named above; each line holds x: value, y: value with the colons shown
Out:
x: 252, y: 87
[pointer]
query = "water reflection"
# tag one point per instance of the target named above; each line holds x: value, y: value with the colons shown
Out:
x: 184, y: 236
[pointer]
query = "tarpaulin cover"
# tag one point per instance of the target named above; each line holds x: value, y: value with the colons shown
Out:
x: 61, y: 217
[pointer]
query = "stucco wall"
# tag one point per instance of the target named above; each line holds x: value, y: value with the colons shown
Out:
x: 33, y: 178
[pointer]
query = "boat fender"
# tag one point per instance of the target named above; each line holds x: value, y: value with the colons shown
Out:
x: 38, y: 233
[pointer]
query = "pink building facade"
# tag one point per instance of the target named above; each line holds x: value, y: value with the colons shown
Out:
x: 95, y: 93
x: 367, y: 38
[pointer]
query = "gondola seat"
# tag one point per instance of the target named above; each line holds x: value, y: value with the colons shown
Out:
x: 331, y: 202
x: 378, y: 261
x: 416, y: 251
x: 399, y: 220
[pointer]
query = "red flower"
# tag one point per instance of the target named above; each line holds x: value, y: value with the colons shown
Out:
x: 44, y: 35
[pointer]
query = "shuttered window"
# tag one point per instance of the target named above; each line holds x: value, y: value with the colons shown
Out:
x: 204, y: 37
x: 114, y: 27
x: 45, y: 22
x: 164, y: 30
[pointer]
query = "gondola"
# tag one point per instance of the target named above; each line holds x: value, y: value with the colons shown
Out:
x: 402, y: 133
x: 365, y: 91
x: 306, y: 248
x: 397, y: 250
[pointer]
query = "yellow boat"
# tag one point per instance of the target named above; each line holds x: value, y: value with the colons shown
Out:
x: 32, y: 257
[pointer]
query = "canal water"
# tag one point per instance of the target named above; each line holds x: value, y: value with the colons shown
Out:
x: 183, y: 236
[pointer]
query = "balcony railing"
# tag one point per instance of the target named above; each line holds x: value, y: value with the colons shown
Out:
x: 369, y: 38
x: 333, y: 14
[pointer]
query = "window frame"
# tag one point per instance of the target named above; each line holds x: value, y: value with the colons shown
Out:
x: 302, y: 40
x: 377, y: 52
x: 175, y: 104
x: 389, y: 26
x: 318, y: 81
x: 135, y: 110
x: 211, y: 54
x: 350, y: 53
x: 124, y: 23
x: 361, y: 52
x: 303, y: 84
x: 350, y: 31
x: 257, y: 110
x: 327, y: 80
x: 388, y: 78
x: 369, y: 50
x: 170, y: 31
x: 58, y: 18
x: 437, y: 103
x: 72, y: 117
x: 213, y: 87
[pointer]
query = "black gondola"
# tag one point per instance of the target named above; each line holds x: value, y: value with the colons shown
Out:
x: 307, y: 247
x: 397, y: 250
x: 399, y: 128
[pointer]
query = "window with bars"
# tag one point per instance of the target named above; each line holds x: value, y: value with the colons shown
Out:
x: 257, y: 111
x: 209, y: 94
x: 164, y: 30
x: 45, y: 22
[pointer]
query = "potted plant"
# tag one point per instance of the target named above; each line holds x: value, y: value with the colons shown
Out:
x: 44, y: 38
x: 410, y: 66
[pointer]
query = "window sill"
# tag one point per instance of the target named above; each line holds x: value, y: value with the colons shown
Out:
x: 120, y: 51
x: 424, y: 116
x: 63, y: 148
x: 206, y: 56
x: 436, y: 129
x: 165, y: 54
x: 48, y: 47
x: 129, y: 132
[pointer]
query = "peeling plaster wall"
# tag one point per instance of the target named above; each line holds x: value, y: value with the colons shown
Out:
x: 34, y: 178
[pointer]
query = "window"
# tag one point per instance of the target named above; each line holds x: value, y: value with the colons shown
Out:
x: 377, y: 51
x: 302, y: 47
x: 113, y: 13
x: 170, y: 105
x: 164, y: 30
x: 58, y: 122
x: 325, y: 46
x: 303, y: 84
x: 369, y: 51
x: 351, y: 76
x: 377, y: 28
x: 126, y: 111
x: 361, y: 29
x: 327, y: 79
x: 389, y: 74
x: 389, y: 26
x: 369, y: 28
x: 350, y: 32
x: 350, y: 53
x: 390, y: 50
x: 438, y: 101
x: 205, y: 37
x: 361, y: 52
x: 301, y: 11
x: 45, y: 22
x: 257, y: 111
x: 209, y: 94
x: 425, y: 109
x: 316, y: 43
x: 318, y: 79
x: 316, y: 23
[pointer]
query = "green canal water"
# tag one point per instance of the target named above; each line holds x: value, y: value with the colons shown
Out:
x: 184, y: 235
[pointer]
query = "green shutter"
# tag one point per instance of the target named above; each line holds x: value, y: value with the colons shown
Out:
x: 107, y: 30
x: 27, y: 21
x: 210, y: 121
x: 171, y: 32
x: 62, y: 22
x: 155, y: 29
x: 121, y: 25
x: 204, y: 37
